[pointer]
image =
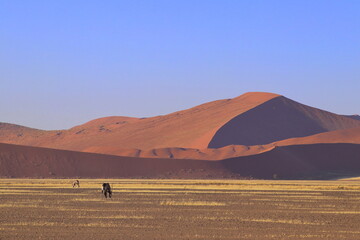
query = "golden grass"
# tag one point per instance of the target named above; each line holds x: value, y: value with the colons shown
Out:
x: 265, y: 220
x: 96, y: 200
x: 118, y: 217
x: 337, y: 212
x: 10, y: 226
x: 18, y: 205
x: 284, y: 221
x: 192, y: 203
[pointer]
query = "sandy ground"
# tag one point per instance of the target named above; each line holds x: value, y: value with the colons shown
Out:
x: 179, y: 209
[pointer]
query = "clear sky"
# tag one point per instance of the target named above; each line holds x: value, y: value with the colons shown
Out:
x: 65, y: 62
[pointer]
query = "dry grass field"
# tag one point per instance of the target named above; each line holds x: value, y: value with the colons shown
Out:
x: 179, y: 209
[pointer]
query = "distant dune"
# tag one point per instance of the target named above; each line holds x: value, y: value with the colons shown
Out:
x: 250, y: 119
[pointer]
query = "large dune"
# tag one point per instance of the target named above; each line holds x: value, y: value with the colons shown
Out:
x: 250, y: 119
x: 288, y: 162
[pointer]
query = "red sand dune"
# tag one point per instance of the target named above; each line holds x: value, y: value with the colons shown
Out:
x: 294, y: 162
x: 250, y: 119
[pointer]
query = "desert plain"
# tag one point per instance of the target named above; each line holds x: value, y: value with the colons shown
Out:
x: 180, y: 209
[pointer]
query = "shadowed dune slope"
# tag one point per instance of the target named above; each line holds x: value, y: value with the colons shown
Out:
x: 300, y: 161
x: 24, y: 161
x: 277, y: 119
x: 288, y: 162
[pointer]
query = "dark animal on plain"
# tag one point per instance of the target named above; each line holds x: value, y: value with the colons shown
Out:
x: 106, y: 190
x: 76, y: 183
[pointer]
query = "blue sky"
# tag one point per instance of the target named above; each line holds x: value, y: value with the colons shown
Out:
x: 63, y: 63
